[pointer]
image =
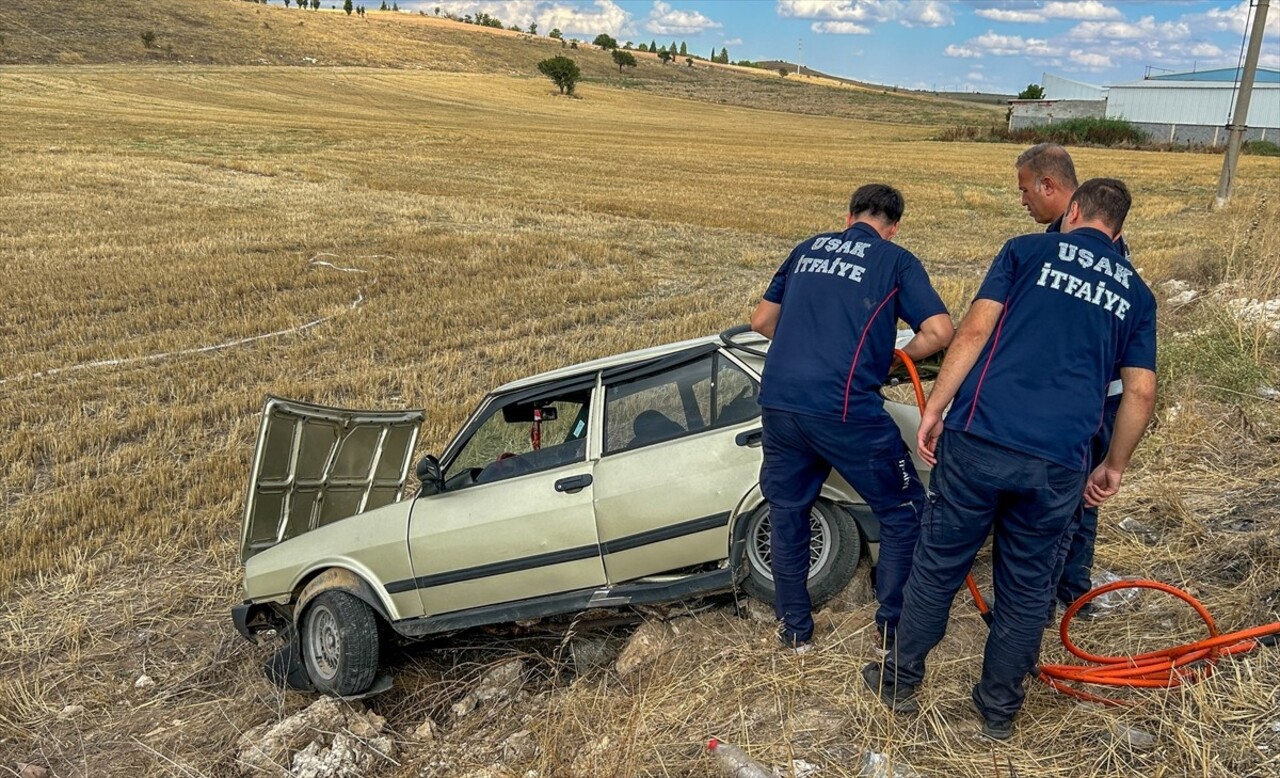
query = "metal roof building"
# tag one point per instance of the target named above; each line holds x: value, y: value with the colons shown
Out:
x: 1198, y: 98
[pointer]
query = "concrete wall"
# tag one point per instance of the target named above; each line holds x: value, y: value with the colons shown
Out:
x: 1201, y: 134
x: 1032, y: 113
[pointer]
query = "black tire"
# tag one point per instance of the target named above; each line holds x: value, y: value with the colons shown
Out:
x: 833, y: 555
x: 339, y: 638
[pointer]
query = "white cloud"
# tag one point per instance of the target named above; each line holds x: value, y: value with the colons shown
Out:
x: 1006, y: 15
x: 964, y: 52
x: 1146, y: 28
x: 909, y: 13
x: 733, y: 42
x: 1235, y: 19
x: 839, y: 28
x: 974, y: 75
x: 1089, y: 60
x: 1059, y: 9
x: 1080, y: 9
x: 665, y: 20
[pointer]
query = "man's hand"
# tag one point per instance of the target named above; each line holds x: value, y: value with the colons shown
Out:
x: 927, y: 437
x: 1103, y: 484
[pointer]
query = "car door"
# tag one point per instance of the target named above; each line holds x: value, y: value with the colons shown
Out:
x: 679, y: 451
x: 515, y: 520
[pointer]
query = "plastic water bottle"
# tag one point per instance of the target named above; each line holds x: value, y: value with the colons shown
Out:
x: 734, y: 761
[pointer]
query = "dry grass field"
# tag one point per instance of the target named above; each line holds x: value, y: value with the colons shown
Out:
x: 156, y: 221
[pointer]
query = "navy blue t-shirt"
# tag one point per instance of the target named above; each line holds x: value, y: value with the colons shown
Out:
x: 842, y: 295
x: 1074, y: 312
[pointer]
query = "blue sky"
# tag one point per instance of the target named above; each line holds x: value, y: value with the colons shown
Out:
x: 978, y: 45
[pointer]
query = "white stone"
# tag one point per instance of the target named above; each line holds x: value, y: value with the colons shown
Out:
x: 144, y: 681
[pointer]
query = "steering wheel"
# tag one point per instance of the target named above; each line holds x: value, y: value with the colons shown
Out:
x: 507, y: 465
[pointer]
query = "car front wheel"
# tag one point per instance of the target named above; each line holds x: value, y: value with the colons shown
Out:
x: 834, y: 550
x: 340, y: 644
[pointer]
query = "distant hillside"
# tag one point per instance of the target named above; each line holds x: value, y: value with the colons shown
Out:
x: 235, y: 32
x: 992, y: 98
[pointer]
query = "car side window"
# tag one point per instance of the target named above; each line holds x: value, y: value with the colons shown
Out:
x: 683, y: 400
x: 524, y: 437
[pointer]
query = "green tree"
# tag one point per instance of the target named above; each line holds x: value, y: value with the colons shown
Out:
x: 688, y: 61
x: 286, y: 3
x: 383, y: 7
x: 783, y: 72
x: 555, y: 33
x: 672, y: 48
x: 665, y: 56
x: 562, y: 71
x: 684, y: 50
x: 604, y: 42
x: 533, y: 28
x: 724, y: 57
x: 642, y: 47
x: 653, y: 46
x: 623, y: 59
x: 1032, y: 92
x: 346, y: 6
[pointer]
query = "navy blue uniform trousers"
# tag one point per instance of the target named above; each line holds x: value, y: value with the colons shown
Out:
x: 799, y: 453
x: 1075, y: 568
x: 1030, y: 501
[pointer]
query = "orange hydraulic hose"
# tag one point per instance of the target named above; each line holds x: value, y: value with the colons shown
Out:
x: 1161, y: 669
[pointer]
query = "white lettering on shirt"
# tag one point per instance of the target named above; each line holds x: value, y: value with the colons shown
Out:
x: 1086, y: 259
x: 1082, y: 289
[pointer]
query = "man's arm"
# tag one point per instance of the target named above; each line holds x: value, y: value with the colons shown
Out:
x: 765, y: 318
x: 972, y: 336
x: 935, y: 334
x: 1136, y: 404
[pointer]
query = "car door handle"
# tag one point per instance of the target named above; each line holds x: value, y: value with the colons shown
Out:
x: 573, y: 483
x: 750, y: 438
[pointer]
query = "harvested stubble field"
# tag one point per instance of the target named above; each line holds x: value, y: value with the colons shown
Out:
x: 149, y: 213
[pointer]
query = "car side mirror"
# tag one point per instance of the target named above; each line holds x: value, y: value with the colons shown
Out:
x: 430, y: 476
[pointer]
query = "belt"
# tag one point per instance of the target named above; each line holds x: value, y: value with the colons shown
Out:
x: 1115, y: 388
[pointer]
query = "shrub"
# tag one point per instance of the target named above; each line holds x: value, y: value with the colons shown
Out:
x: 1032, y: 92
x: 562, y: 71
x: 665, y: 56
x: 555, y: 33
x: 1263, y: 148
x: 1073, y: 132
x: 148, y: 39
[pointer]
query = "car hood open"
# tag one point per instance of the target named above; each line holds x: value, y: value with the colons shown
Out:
x: 315, y: 465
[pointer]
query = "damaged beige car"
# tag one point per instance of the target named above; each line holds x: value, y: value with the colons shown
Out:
x: 624, y: 481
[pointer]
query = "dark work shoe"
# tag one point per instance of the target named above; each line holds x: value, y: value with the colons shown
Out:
x: 995, y: 729
x: 899, y: 699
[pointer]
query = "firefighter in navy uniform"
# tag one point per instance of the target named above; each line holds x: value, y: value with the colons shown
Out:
x: 832, y: 311
x: 1056, y: 314
x: 1047, y: 180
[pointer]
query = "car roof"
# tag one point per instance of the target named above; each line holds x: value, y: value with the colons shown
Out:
x: 606, y: 362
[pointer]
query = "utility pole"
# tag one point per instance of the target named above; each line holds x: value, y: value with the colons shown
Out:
x: 1240, y: 115
x: 799, y: 55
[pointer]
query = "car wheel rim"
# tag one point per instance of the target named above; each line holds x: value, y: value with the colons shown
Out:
x: 325, y: 640
x: 819, y: 545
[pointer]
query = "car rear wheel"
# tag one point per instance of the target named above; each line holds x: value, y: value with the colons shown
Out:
x: 833, y: 553
x: 340, y: 644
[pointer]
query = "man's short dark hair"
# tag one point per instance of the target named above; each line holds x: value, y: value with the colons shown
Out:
x: 1049, y: 159
x: 878, y: 201
x: 1104, y: 199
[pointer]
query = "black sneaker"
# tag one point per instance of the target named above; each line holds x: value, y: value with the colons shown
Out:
x: 899, y: 699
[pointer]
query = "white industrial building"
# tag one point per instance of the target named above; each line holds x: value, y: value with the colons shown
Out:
x: 1187, y: 108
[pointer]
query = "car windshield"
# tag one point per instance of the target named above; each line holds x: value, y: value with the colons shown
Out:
x: 527, y: 436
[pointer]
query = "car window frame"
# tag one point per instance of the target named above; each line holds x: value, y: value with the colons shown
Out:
x: 666, y: 365
x: 494, y: 403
